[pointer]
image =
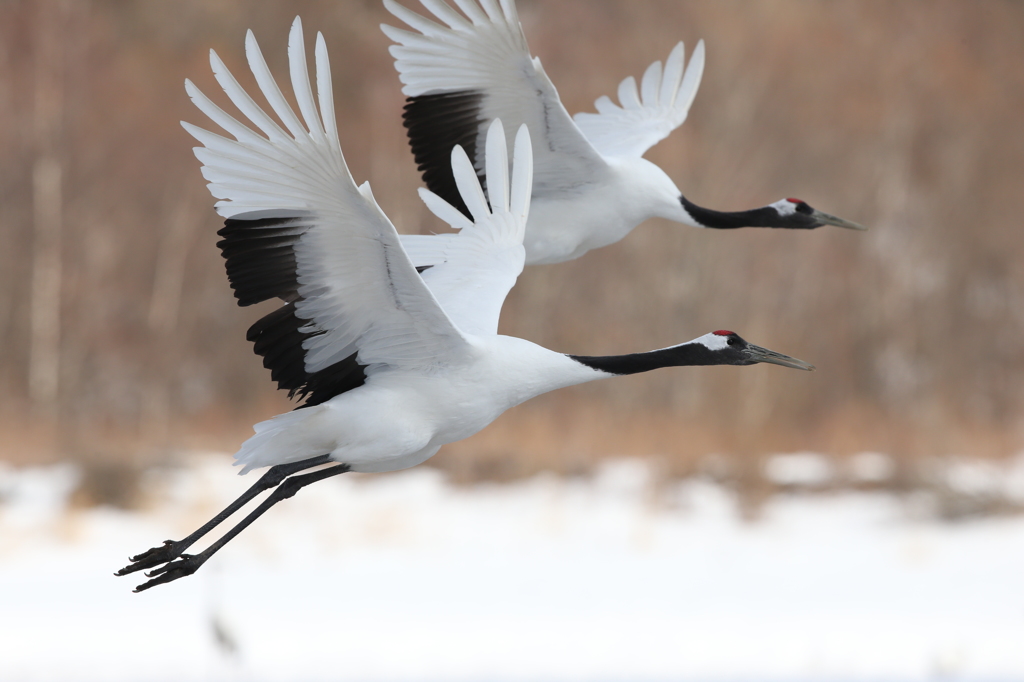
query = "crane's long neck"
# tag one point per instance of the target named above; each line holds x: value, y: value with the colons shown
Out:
x: 766, y: 216
x: 529, y: 370
x: 686, y: 354
x: 651, y: 189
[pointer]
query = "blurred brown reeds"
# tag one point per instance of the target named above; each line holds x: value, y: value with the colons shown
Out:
x: 121, y: 340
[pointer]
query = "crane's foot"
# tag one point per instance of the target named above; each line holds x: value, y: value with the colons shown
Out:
x: 169, y: 551
x: 183, y: 566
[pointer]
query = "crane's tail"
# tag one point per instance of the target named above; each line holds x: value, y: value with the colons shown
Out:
x: 289, y: 437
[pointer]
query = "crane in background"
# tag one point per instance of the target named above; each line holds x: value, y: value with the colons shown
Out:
x: 592, y: 185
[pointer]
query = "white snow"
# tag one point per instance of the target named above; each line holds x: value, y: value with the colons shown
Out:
x: 799, y: 468
x: 871, y: 467
x: 974, y: 477
x: 405, y: 577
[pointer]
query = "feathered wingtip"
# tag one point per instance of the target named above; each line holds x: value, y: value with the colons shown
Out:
x: 509, y: 192
x: 308, y: 138
x: 477, y: 14
x: 435, y: 46
x: 672, y: 87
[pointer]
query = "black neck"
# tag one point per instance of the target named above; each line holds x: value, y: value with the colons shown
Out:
x: 719, y: 220
x: 634, y: 363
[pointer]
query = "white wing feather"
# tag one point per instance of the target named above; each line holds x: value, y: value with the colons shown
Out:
x: 472, y: 272
x: 358, y: 288
x: 647, y: 117
x: 485, y: 51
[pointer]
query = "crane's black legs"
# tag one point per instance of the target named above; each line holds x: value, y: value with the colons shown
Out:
x: 273, y: 478
x: 187, y: 564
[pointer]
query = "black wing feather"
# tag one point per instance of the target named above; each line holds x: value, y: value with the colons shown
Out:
x: 259, y: 255
x: 436, y: 123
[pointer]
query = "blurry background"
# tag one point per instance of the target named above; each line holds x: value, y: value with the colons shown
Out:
x: 123, y: 354
x: 121, y: 341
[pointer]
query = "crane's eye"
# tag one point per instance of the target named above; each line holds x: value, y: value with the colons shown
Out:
x: 733, y: 341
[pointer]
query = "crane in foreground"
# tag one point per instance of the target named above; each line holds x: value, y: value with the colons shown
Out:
x: 592, y: 185
x: 393, y: 363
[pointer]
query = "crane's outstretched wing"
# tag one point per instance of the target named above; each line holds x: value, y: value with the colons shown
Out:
x: 474, y: 270
x: 648, y: 116
x: 299, y: 229
x: 469, y: 69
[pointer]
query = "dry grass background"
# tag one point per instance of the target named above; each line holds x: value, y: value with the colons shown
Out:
x: 900, y: 115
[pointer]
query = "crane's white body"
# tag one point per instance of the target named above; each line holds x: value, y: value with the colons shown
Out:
x: 591, y: 184
x: 564, y: 225
x: 400, y: 418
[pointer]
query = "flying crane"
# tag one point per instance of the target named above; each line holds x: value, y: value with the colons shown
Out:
x: 592, y: 185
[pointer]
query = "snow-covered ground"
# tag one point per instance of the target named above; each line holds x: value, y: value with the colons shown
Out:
x: 405, y: 577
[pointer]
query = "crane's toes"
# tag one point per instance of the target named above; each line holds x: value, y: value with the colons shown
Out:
x: 151, y: 552
x: 179, y: 561
x: 179, y: 568
x: 152, y: 557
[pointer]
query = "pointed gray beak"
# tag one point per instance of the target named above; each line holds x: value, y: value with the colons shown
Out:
x: 758, y: 354
x: 826, y: 219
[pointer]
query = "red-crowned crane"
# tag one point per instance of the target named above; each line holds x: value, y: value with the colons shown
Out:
x: 591, y: 184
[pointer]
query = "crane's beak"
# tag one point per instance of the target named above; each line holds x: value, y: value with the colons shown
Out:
x: 758, y: 354
x: 826, y: 219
